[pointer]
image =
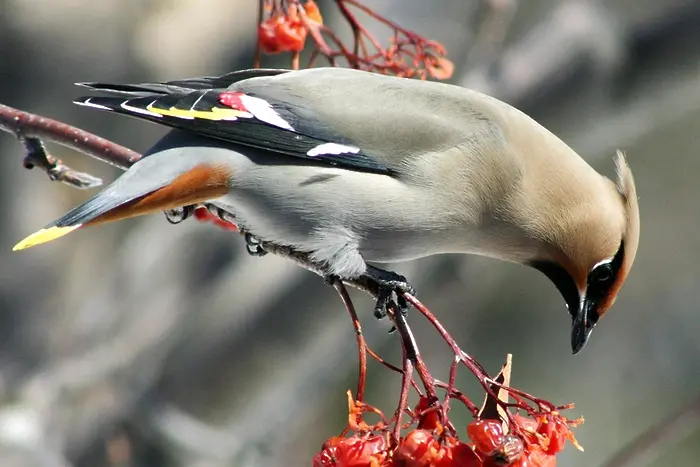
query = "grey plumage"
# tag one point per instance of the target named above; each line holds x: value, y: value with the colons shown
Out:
x: 352, y: 167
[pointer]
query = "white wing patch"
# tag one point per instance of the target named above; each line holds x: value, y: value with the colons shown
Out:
x: 87, y: 103
x: 125, y: 105
x: 333, y: 149
x: 262, y: 110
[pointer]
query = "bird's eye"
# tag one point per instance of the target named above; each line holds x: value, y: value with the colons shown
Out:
x: 601, y: 274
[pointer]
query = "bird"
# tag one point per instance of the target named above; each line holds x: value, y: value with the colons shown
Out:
x: 353, y: 168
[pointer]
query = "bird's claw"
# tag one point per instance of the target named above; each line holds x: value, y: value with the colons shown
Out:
x: 177, y: 215
x: 330, y: 279
x: 253, y: 245
x: 221, y: 213
x: 391, y: 288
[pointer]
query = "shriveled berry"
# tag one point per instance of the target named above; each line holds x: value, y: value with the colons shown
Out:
x: 418, y: 449
x: 457, y: 454
x: 487, y: 435
x: 429, y: 420
x: 359, y: 452
x: 555, y: 432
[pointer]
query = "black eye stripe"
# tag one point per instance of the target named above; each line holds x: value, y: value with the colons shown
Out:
x: 603, y: 276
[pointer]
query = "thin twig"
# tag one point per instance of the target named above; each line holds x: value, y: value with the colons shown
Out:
x: 408, y: 55
x: 361, y: 344
x: 30, y: 125
x: 356, y: 32
x: 261, y: 15
x: 409, y: 342
x: 295, y: 61
x: 38, y: 156
x: 406, y: 379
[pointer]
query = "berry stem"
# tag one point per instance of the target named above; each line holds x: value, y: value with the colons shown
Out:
x: 361, y: 343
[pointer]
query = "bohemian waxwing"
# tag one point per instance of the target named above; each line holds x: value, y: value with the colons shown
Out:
x: 350, y: 166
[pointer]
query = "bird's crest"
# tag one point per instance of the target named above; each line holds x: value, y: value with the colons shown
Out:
x: 630, y: 239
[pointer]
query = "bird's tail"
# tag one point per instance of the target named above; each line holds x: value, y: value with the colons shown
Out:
x: 160, y: 181
x: 151, y: 185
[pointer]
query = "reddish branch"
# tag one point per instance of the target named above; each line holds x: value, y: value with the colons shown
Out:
x: 361, y: 344
x: 30, y: 129
x: 27, y: 125
x: 498, y: 390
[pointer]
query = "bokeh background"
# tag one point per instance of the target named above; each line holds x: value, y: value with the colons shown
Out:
x: 146, y: 344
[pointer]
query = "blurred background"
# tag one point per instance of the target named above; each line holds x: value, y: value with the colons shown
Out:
x: 147, y: 344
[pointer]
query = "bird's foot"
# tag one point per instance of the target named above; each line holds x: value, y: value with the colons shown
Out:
x: 330, y: 279
x: 220, y: 213
x: 389, y: 285
x: 177, y: 215
x: 253, y: 245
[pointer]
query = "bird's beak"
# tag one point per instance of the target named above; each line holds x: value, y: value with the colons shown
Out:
x: 582, y: 324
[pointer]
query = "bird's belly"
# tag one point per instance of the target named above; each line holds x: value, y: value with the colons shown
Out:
x: 337, y: 213
x: 390, y: 246
x: 309, y: 234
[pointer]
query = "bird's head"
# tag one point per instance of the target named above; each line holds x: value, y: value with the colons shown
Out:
x: 596, y: 258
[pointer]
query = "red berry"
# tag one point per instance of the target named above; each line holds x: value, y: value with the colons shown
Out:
x: 457, y: 454
x: 539, y: 458
x: 429, y: 420
x: 524, y: 461
x: 418, y: 449
x: 282, y: 33
x: 509, y: 451
x: 325, y: 458
x: 291, y: 36
x: 487, y: 435
x: 555, y: 431
x: 267, y: 36
x: 312, y: 12
x: 535, y: 457
x: 359, y: 452
x: 528, y: 425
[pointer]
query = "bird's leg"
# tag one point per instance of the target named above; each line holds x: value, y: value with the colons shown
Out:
x: 177, y: 215
x: 388, y: 284
x: 253, y: 245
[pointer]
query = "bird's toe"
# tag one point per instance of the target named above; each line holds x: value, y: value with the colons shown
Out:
x: 253, y: 245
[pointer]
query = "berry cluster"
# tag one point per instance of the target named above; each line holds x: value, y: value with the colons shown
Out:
x: 286, y: 30
x: 285, y: 24
x: 530, y: 442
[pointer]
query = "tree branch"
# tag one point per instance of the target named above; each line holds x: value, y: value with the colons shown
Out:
x: 27, y: 125
x: 38, y: 156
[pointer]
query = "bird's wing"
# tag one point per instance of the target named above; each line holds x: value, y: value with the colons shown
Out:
x: 359, y: 120
x: 212, y: 107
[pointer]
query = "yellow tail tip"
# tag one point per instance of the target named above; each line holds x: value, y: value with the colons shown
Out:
x: 44, y: 236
